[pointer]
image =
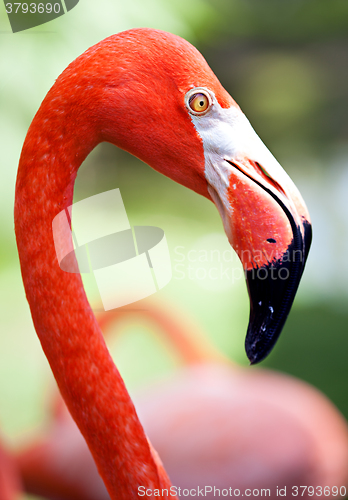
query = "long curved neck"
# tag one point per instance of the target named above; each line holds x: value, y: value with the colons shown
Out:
x: 60, y: 137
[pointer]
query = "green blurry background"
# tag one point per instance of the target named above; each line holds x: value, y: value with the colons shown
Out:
x: 286, y: 64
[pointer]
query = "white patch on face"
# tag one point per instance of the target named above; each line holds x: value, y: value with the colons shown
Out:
x: 228, y: 134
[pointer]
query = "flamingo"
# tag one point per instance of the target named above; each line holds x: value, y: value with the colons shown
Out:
x: 222, y: 416
x: 152, y: 94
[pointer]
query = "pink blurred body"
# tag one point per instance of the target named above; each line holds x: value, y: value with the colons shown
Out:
x: 10, y: 485
x: 213, y: 424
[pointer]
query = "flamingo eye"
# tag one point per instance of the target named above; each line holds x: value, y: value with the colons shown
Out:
x: 198, y: 101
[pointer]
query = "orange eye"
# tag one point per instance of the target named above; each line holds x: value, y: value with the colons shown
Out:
x: 198, y: 103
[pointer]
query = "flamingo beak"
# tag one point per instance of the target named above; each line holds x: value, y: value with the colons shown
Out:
x: 267, y: 223
x: 273, y: 246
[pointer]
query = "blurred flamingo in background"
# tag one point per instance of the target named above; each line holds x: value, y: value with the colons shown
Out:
x: 10, y: 483
x: 152, y: 94
x: 213, y: 423
x: 58, y: 464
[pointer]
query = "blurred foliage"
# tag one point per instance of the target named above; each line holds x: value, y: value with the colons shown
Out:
x: 278, y: 21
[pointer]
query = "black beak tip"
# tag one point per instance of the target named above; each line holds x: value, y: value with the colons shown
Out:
x: 272, y: 289
x: 270, y: 304
x: 254, y: 358
x: 258, y: 348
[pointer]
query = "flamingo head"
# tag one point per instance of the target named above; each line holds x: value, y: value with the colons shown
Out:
x: 162, y: 103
